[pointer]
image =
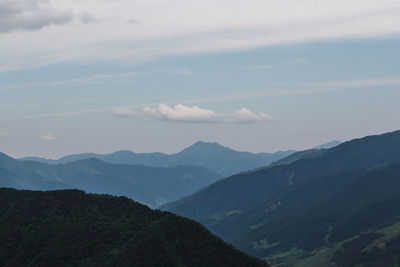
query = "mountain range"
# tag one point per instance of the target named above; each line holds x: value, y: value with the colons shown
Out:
x: 214, y: 156
x: 330, y: 207
x: 71, y: 228
x: 150, y: 185
x: 165, y: 178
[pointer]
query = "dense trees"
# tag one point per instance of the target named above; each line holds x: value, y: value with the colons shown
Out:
x: 71, y: 228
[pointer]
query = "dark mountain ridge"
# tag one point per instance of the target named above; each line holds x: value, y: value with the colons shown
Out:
x: 71, y: 228
x: 285, y: 206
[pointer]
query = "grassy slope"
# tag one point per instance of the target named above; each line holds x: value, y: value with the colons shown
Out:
x: 324, y: 256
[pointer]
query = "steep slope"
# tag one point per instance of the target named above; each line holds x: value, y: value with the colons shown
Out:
x: 222, y: 160
x: 310, y: 153
x: 369, y: 199
x: 328, y: 145
x: 71, y: 228
x: 356, y: 226
x: 252, y: 208
x: 150, y: 185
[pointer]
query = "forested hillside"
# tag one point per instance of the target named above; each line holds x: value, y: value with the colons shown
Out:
x: 71, y: 228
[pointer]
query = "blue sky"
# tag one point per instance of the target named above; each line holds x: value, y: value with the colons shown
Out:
x: 149, y: 76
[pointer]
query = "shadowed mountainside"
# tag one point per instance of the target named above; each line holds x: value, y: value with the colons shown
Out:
x: 71, y: 228
x: 318, y: 199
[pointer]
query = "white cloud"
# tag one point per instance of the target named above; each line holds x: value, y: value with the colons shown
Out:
x: 181, y: 113
x: 192, y: 114
x: 176, y: 27
x: 123, y: 112
x: 48, y: 137
x: 244, y: 115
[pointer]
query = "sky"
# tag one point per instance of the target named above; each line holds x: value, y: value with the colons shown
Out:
x: 152, y: 75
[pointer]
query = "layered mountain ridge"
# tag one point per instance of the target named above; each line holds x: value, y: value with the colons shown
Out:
x: 150, y: 185
x: 214, y: 156
x: 305, y: 204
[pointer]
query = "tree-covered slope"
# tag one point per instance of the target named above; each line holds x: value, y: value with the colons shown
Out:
x: 149, y: 185
x: 71, y: 228
x: 304, y: 203
x: 214, y: 156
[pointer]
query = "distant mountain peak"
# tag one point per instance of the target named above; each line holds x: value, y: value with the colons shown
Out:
x: 203, y: 143
x: 202, y: 146
x: 210, y: 155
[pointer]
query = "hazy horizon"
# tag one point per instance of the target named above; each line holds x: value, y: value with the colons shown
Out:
x: 171, y: 153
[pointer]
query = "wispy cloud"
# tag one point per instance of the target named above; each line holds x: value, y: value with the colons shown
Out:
x: 123, y: 112
x: 230, y: 25
x: 91, y: 79
x: 48, y: 137
x: 306, y: 88
x: 192, y: 114
x: 65, y: 114
x: 35, y: 15
x: 328, y: 86
x: 244, y: 115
